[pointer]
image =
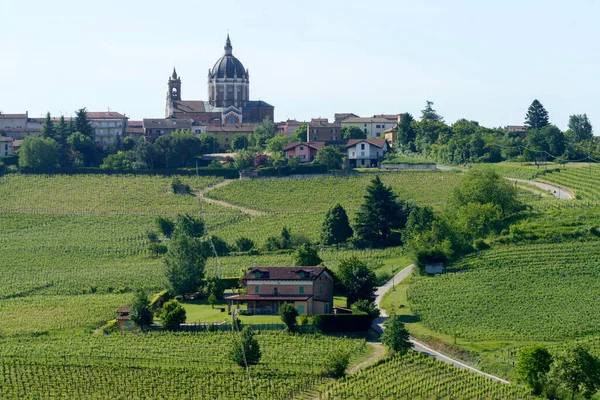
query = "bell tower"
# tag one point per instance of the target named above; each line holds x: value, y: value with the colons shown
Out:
x: 173, y: 93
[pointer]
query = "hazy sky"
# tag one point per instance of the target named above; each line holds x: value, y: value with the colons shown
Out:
x: 480, y: 60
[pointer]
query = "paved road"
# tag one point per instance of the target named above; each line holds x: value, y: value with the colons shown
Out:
x: 559, y: 192
x: 418, y: 346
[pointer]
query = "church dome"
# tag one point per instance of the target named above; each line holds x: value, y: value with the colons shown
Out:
x: 228, y: 66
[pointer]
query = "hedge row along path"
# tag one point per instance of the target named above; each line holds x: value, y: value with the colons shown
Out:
x: 418, y: 346
x: 201, y: 195
x: 559, y: 192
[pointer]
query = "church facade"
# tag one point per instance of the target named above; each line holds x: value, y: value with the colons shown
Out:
x: 228, y: 96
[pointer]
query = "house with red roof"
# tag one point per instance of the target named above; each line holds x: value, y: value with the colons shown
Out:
x: 366, y: 153
x: 309, y: 289
x: 305, y: 151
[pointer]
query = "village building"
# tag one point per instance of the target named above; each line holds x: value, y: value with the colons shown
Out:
x: 109, y: 127
x: 135, y: 129
x: 155, y: 127
x: 225, y: 134
x: 305, y: 151
x: 18, y: 126
x: 366, y: 153
x: 287, y: 127
x: 228, y: 96
x: 309, y: 289
x: 373, y: 127
x: 321, y: 130
x: 6, y: 146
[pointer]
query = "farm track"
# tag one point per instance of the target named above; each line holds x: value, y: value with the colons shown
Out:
x: 561, y: 193
x: 202, y: 192
x: 417, y: 345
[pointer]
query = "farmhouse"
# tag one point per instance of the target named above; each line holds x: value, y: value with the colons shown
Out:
x: 309, y: 289
x: 305, y: 151
x: 366, y: 152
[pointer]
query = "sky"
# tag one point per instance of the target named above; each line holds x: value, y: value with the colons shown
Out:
x: 480, y: 60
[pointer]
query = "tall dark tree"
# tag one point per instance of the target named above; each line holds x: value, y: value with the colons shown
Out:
x: 48, y: 128
x: 537, y: 116
x: 405, y: 132
x: 580, y: 128
x: 357, y: 279
x: 189, y: 225
x: 336, y: 227
x: 380, y: 217
x: 429, y: 114
x: 184, y: 263
x: 82, y: 123
x: 83, y: 149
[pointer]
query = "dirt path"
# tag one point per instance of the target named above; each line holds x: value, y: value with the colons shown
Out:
x: 417, y: 345
x: 201, y: 194
x: 378, y: 353
x: 559, y: 192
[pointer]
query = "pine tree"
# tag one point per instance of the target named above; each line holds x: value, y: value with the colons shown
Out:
x: 429, y: 114
x: 395, y: 336
x: 336, y: 227
x: 537, y: 116
x: 48, y: 129
x: 246, y: 350
x: 82, y: 124
x: 380, y: 217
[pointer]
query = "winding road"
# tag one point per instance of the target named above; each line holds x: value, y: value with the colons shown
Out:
x: 558, y: 191
x: 417, y: 345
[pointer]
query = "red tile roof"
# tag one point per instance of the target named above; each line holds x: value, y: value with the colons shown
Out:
x: 374, y: 142
x: 314, y: 145
x: 284, y: 273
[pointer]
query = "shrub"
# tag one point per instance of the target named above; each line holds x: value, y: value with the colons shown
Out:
x: 165, y: 226
x: 288, y: 314
x: 173, y: 315
x: 246, y: 350
x: 366, y: 307
x: 157, y: 249
x: 140, y: 310
x: 244, y: 244
x: 335, y: 364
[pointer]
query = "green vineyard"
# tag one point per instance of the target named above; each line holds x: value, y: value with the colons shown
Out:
x: 415, y: 376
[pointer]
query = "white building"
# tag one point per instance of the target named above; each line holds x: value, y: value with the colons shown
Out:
x: 366, y: 152
x: 109, y: 127
x: 6, y: 146
x: 373, y: 126
x: 17, y: 126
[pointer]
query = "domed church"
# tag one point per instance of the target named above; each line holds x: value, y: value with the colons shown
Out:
x: 228, y: 96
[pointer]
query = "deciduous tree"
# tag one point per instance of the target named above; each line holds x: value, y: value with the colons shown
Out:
x: 307, y: 255
x: 580, y: 128
x: 330, y: 157
x: 184, y: 263
x: 357, y: 279
x: 577, y: 371
x: 288, y: 314
x: 533, y: 367
x: 353, y: 132
x: 38, y: 153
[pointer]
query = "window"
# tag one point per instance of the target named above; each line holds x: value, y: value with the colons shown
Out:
x: 301, y: 148
x: 353, y: 154
x: 365, y: 125
x: 303, y: 156
x: 301, y: 289
x: 377, y: 126
x: 275, y: 291
x: 376, y: 154
x: 362, y: 153
x: 362, y: 146
x: 256, y: 289
x: 320, y: 289
x: 365, y: 131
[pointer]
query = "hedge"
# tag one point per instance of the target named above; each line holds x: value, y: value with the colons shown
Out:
x: 342, y: 322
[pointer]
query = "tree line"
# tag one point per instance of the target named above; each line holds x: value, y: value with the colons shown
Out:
x: 467, y: 141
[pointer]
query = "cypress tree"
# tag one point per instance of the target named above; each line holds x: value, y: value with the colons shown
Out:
x: 336, y: 227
